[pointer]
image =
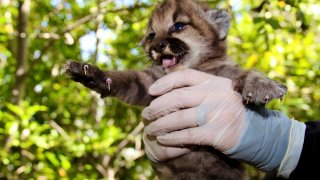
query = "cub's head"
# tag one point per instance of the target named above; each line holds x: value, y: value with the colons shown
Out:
x: 184, y: 33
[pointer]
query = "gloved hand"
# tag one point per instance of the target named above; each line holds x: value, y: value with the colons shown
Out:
x: 205, y: 110
x: 157, y: 152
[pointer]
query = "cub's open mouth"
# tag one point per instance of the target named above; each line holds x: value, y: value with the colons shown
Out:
x: 169, y: 60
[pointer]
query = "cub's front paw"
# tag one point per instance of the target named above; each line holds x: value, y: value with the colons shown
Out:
x: 90, y: 76
x: 258, y: 89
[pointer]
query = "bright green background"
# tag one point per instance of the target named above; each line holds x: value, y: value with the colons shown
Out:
x: 61, y: 130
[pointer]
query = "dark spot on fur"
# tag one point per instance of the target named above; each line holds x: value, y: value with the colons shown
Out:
x: 177, y: 46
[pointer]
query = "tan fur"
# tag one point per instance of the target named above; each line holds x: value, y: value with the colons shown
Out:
x: 199, y: 39
x: 201, y: 45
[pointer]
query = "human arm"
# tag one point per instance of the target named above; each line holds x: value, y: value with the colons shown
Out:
x: 206, y: 111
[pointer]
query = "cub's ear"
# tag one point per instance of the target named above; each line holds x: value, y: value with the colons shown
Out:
x: 220, y: 20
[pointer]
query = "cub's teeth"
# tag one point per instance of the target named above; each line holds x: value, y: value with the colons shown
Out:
x: 169, y: 61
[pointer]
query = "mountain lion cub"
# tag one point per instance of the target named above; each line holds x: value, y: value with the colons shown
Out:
x: 183, y: 34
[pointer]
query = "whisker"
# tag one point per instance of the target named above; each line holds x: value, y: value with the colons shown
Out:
x: 142, y: 56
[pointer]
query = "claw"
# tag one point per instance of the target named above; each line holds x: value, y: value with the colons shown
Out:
x: 85, y: 68
x: 109, y: 81
x: 281, y: 98
x: 249, y: 96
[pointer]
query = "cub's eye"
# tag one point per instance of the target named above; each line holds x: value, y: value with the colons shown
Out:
x: 178, y: 26
x: 151, y: 36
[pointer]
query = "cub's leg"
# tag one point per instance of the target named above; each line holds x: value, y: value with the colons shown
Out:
x: 253, y: 86
x: 258, y: 89
x: 129, y: 86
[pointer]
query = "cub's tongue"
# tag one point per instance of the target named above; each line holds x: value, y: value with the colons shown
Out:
x: 166, y: 62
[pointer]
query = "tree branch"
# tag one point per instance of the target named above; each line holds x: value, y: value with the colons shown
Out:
x: 133, y: 133
x: 21, y: 66
x: 80, y: 22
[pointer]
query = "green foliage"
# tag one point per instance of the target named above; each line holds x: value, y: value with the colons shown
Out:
x: 61, y: 130
x: 281, y: 40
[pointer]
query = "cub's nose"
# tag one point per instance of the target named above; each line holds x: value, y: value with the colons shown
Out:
x: 161, y: 46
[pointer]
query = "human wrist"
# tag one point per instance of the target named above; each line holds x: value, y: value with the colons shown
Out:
x: 292, y: 156
x: 265, y: 140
